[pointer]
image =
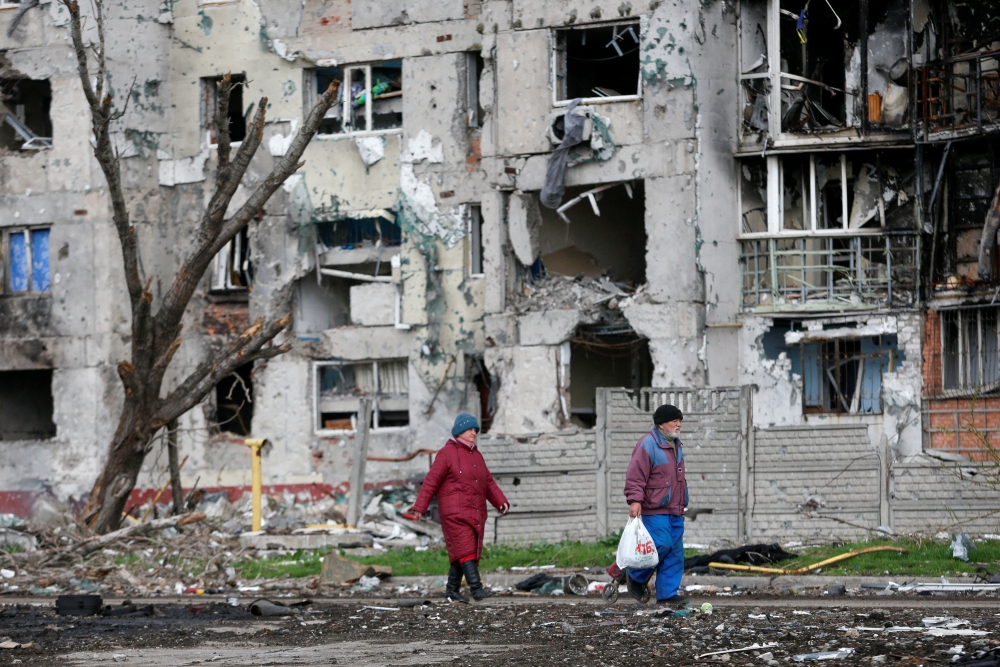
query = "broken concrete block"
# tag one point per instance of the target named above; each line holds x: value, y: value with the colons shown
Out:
x: 341, y: 570
x: 373, y: 304
x: 524, y: 219
x: 305, y: 541
x: 501, y: 329
x: 548, y: 327
x: 16, y: 539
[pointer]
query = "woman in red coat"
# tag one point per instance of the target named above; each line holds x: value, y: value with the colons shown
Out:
x: 463, y: 484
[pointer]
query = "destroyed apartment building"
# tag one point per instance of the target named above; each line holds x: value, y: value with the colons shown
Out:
x: 777, y: 214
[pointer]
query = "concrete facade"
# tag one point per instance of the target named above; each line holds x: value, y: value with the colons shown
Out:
x: 730, y: 225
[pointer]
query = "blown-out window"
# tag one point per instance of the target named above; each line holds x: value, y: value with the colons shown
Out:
x: 340, y: 386
x: 371, y: 97
x: 597, y: 62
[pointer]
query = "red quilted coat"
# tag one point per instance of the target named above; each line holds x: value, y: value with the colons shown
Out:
x: 463, y: 484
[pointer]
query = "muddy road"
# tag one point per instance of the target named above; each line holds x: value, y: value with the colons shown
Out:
x: 503, y: 630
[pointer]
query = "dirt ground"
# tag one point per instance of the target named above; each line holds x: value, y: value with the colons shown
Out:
x: 501, y: 630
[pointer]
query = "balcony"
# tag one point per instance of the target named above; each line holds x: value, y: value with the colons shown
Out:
x: 822, y: 273
x: 959, y: 96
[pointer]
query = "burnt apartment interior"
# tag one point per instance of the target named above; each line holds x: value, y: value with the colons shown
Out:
x: 25, y: 121
x: 843, y: 65
x: 26, y: 405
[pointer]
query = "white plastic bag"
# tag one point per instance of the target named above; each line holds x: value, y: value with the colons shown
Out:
x: 636, y: 549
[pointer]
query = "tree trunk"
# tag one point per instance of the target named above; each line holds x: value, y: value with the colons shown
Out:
x: 117, y: 479
x: 175, y: 470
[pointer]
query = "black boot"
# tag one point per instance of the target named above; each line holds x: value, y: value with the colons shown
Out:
x: 453, y: 590
x: 471, y: 570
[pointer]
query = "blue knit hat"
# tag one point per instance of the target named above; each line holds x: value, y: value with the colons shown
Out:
x: 463, y: 423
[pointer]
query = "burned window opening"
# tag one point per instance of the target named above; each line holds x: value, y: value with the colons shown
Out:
x: 971, y: 178
x: 371, y: 98
x: 234, y: 401
x: 597, y: 62
x: 605, y: 355
x: 25, y: 114
x: 816, y: 55
x: 339, y: 386
x: 232, y: 270
x: 26, y: 405
x: 237, y: 115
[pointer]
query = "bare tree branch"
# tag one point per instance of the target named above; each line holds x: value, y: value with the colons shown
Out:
x: 209, y: 244
x: 248, y: 347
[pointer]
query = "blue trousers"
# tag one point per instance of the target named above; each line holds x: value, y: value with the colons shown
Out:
x: 668, y: 536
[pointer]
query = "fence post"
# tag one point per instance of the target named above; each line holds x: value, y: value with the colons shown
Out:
x: 602, y: 460
x: 745, y: 500
x: 359, y: 462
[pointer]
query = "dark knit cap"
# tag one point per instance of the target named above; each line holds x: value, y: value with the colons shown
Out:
x: 463, y: 423
x: 666, y: 413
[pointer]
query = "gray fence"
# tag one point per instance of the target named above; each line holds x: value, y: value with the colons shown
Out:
x: 806, y: 482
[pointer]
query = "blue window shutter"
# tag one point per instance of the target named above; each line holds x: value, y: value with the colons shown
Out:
x: 40, y: 260
x: 18, y: 263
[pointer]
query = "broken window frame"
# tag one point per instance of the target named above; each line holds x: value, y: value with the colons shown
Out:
x: 474, y: 235
x: 776, y: 202
x: 210, y: 103
x: 10, y: 4
x: 223, y: 271
x: 969, y: 324
x: 829, y: 367
x: 345, y: 100
x: 558, y: 67
x: 6, y: 273
x: 380, y: 399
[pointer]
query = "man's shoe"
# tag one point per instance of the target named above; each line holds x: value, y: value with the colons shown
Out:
x: 452, y: 590
x: 471, y: 570
x: 638, y: 590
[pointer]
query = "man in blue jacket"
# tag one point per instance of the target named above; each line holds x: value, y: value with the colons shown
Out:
x: 656, y: 489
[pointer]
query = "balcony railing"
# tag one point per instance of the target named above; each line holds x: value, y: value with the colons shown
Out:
x: 960, y: 94
x: 830, y: 272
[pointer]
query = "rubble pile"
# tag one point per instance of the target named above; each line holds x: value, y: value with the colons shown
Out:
x: 586, y: 294
x: 208, y: 551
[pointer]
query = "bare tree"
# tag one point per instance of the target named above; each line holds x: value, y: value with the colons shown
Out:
x: 156, y: 332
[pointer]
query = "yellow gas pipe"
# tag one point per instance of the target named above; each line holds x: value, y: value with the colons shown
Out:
x: 255, y: 445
